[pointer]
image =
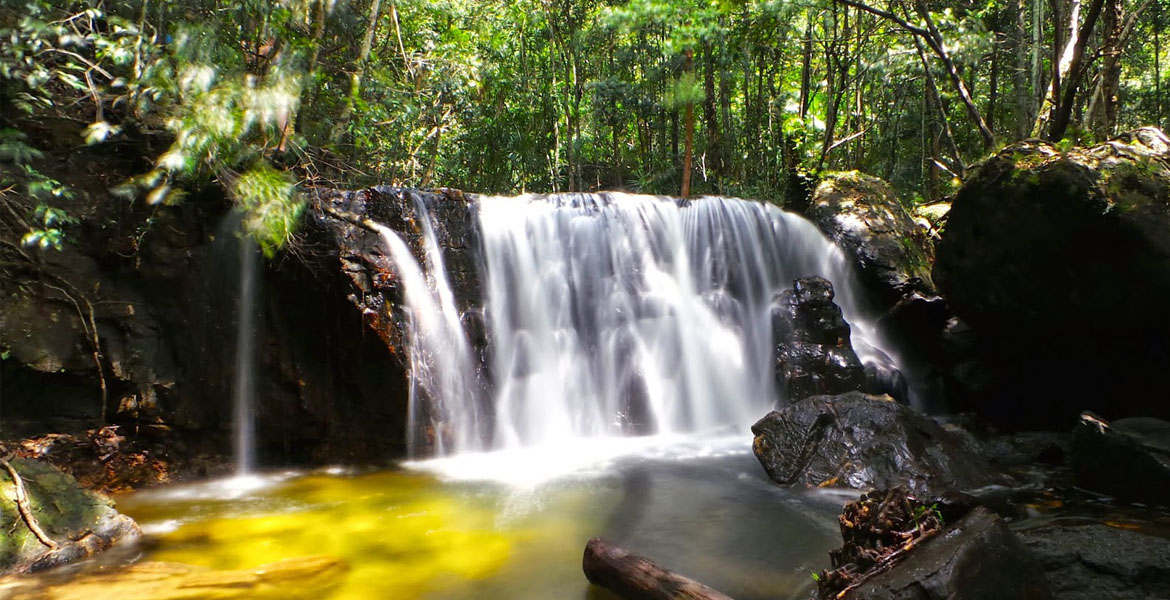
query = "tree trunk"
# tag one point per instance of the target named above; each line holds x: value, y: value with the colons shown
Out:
x: 713, y: 151
x: 932, y: 98
x: 1018, y: 49
x: 993, y: 83
x: 1063, y: 111
x: 688, y: 67
x: 359, y: 69
x: 935, y: 41
x: 1037, y: 48
x: 1157, y: 73
x: 632, y: 577
x: 806, y: 71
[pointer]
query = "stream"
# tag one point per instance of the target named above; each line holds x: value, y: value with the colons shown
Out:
x: 499, y: 525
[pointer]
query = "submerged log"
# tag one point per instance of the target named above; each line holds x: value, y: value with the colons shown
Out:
x: 633, y: 577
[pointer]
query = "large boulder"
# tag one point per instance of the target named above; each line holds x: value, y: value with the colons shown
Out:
x: 1059, y: 260
x: 1128, y: 458
x: 1098, y: 562
x: 813, y: 353
x: 861, y: 441
x: 80, y: 522
x: 890, y: 251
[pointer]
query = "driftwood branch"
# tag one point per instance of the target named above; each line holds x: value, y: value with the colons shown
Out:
x: 23, y: 507
x: 348, y: 217
x: 633, y: 577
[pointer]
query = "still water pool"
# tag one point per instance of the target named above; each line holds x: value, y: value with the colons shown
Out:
x: 477, y: 527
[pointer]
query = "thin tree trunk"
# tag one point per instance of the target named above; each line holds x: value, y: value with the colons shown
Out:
x: 1101, y: 118
x: 934, y: 41
x: 806, y: 72
x: 359, y: 69
x: 1018, y: 49
x: 316, y: 37
x: 1157, y: 74
x: 1037, y: 47
x: 1063, y: 112
x: 713, y: 150
x: 688, y: 67
x: 932, y: 97
x: 993, y: 83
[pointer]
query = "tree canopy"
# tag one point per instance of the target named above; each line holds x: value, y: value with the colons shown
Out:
x: 264, y: 97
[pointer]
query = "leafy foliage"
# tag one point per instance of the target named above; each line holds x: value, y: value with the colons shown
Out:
x: 548, y: 95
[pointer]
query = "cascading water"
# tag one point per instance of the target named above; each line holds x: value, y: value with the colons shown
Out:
x: 442, y: 370
x: 244, y: 389
x: 611, y: 314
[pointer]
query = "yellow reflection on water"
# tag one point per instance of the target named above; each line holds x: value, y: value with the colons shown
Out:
x: 381, y: 535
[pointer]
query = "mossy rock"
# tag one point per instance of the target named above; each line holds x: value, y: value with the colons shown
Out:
x: 890, y: 251
x: 1059, y: 259
x: 70, y: 515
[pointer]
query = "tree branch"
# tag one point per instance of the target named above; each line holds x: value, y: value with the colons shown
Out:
x: 24, y: 509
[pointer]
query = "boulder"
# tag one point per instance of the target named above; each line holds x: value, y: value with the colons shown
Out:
x: 1098, y: 562
x: 861, y: 441
x: 1128, y: 458
x: 1059, y: 260
x: 82, y: 523
x: 813, y: 353
x: 975, y: 558
x: 890, y: 251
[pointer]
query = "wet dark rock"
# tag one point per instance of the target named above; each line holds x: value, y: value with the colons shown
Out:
x: 1128, y: 458
x: 81, y: 522
x: 813, y: 353
x: 916, y: 325
x: 890, y: 251
x: 1098, y: 562
x: 349, y: 249
x: 860, y: 441
x: 1027, y: 448
x: 884, y: 378
x: 976, y: 558
x: 1059, y: 260
x: 162, y: 284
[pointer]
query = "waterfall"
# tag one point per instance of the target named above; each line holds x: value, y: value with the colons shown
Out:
x: 444, y: 393
x: 244, y: 392
x: 610, y: 314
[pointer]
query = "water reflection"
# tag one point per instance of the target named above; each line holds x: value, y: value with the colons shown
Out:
x: 412, y: 534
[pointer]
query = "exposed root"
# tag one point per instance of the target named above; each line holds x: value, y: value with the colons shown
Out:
x: 24, y: 509
x: 877, y: 530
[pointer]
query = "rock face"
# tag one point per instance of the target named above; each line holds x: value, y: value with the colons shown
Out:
x: 364, y: 259
x: 1059, y: 260
x: 1098, y: 562
x: 342, y: 220
x: 860, y: 441
x: 144, y: 299
x: 813, y: 354
x: 862, y: 216
x: 978, y: 557
x: 81, y: 522
x: 1128, y: 458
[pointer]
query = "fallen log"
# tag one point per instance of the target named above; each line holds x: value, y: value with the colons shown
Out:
x: 633, y: 577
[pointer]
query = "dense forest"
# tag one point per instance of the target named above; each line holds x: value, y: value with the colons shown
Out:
x: 668, y: 97
x: 298, y: 282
